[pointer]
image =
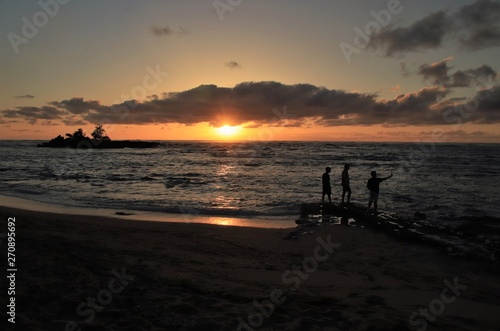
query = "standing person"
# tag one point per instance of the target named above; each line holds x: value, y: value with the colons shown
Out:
x: 345, y: 184
x: 373, y: 186
x: 327, y: 189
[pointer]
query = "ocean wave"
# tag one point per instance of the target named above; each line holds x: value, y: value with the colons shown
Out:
x: 26, y: 189
x: 183, y: 182
x: 147, y: 178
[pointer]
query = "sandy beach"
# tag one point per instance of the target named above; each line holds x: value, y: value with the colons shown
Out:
x: 97, y: 273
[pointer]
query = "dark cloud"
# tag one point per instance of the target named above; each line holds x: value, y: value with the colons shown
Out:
x: 233, y: 65
x: 473, y: 27
x: 439, y: 74
x: 160, y: 31
x: 427, y: 33
x: 482, y: 108
x: 484, y: 71
x: 436, y: 72
x: 488, y: 106
x: 479, y: 25
x: 77, y: 105
x: 416, y: 108
x: 260, y: 103
x: 33, y: 114
x: 26, y: 96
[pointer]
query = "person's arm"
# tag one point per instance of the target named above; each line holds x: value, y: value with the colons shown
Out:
x: 381, y: 179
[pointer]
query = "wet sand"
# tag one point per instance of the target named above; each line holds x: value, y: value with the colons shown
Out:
x: 98, y: 273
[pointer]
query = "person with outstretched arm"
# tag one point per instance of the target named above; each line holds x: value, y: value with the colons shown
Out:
x: 373, y: 186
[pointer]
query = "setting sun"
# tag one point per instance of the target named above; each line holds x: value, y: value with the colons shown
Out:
x: 228, y: 130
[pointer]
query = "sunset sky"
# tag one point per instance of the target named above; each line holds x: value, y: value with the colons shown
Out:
x: 276, y: 69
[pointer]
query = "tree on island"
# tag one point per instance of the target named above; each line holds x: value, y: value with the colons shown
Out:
x: 77, y: 135
x: 99, y: 133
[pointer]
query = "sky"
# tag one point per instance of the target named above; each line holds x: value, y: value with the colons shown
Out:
x: 379, y: 70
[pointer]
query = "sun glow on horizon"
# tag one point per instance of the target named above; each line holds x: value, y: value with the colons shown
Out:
x: 228, y: 131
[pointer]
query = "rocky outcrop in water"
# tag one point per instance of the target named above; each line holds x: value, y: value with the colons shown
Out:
x: 99, y: 140
x: 87, y: 143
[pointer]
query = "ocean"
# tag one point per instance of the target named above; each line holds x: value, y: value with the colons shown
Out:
x: 256, y: 179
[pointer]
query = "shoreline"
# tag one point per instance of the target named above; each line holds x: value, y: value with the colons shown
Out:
x: 20, y: 204
x: 190, y: 276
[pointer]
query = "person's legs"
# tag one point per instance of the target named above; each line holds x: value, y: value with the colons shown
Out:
x: 343, y: 194
x: 348, y: 195
x: 375, y: 200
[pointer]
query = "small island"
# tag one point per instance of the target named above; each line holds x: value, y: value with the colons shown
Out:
x: 98, y: 140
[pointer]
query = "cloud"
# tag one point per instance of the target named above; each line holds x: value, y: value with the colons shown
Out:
x: 394, y: 89
x: 32, y: 114
x: 404, y: 69
x: 77, y: 105
x: 233, y: 65
x: 473, y: 27
x: 271, y: 103
x: 439, y: 74
x: 436, y: 72
x: 162, y: 31
x: 26, y: 96
x: 166, y: 30
x: 479, y: 25
x: 482, y: 108
x: 424, y: 34
x: 488, y: 106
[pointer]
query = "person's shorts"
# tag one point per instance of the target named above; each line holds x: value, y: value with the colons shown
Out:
x: 327, y: 190
x: 346, y: 188
x: 373, y: 196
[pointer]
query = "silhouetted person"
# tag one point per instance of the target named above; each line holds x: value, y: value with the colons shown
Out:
x: 345, y: 184
x: 327, y: 189
x: 373, y: 186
